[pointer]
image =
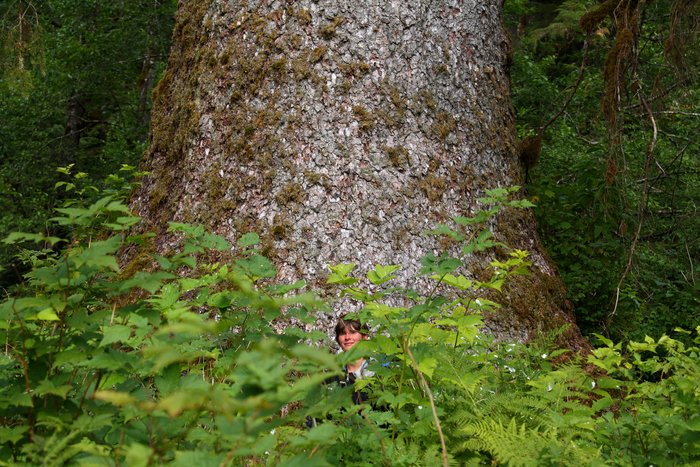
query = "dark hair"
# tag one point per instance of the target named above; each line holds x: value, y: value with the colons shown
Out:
x: 353, y: 325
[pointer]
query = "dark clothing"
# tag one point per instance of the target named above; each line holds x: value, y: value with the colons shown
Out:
x: 358, y: 397
x: 347, y: 380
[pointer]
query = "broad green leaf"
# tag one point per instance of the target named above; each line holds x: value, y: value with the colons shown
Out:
x: 47, y: 314
x: 169, y: 295
x: 117, y: 206
x: 215, y: 242
x: 313, y: 354
x: 443, y: 264
x: 482, y: 304
x: 280, y: 289
x: 249, y: 239
x: 16, y: 237
x: 360, y: 294
x: 339, y: 274
x: 520, y: 203
x: 169, y: 379
x: 322, y: 433
x: 386, y: 345
x: 693, y: 424
x: 100, y: 453
x: 442, y: 229
x: 20, y: 304
x: 427, y: 366
x: 381, y: 274
x: 200, y: 458
x: 115, y: 333
x: 342, y: 269
x: 461, y: 282
x: 256, y: 266
x: 138, y: 455
x: 380, y: 310
x: 47, y: 387
x: 12, y: 434
x: 221, y: 299
x: 177, y: 402
x: 481, y: 243
x: 69, y: 356
x: 148, y: 281
x: 111, y: 360
x: 17, y: 397
x: 123, y: 223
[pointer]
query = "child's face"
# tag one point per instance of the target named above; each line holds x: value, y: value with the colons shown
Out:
x: 349, y: 338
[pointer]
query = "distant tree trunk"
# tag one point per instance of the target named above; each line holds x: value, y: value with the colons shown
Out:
x: 342, y: 131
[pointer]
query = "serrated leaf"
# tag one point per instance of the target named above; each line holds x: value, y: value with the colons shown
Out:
x: 380, y: 310
x: 117, y: 206
x: 16, y: 237
x: 12, y: 434
x: 281, y: 289
x: 47, y: 314
x: 381, y: 274
x: 438, y: 265
x: 115, y: 333
x: 256, y: 266
x: 443, y: 229
x: 47, y: 387
x: 148, y: 281
x: 220, y: 299
x: 215, y: 242
x: 339, y: 274
x: 427, y: 366
x: 481, y: 243
x: 138, y: 455
x: 200, y: 458
x: 342, y: 268
x: 460, y: 282
x: 248, y: 240
x: 521, y: 204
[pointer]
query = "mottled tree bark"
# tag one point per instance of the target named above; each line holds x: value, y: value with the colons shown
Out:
x: 341, y: 131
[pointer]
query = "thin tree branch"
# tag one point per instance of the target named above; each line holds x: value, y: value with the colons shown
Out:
x: 582, y: 69
x: 432, y: 406
x: 642, y: 204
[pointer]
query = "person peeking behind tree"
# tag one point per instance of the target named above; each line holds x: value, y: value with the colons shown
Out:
x: 348, y: 332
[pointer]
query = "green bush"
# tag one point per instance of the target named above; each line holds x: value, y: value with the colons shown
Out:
x: 180, y: 364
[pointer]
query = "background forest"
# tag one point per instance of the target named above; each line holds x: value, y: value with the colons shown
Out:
x: 608, y: 109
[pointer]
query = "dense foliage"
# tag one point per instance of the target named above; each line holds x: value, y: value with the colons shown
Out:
x: 617, y: 181
x: 181, y: 364
x: 75, y: 84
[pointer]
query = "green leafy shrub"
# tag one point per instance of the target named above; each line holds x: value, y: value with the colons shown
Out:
x: 182, y: 365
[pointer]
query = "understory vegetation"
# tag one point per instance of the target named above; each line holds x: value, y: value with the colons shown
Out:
x: 181, y: 364
x: 616, y: 175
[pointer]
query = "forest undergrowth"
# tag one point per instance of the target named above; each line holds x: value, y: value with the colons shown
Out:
x: 180, y: 363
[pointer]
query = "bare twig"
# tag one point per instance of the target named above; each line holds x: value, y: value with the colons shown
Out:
x: 690, y: 260
x: 432, y: 406
x: 581, y: 72
x: 675, y: 112
x: 642, y: 204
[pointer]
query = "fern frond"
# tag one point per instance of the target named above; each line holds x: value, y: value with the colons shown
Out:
x: 519, y: 445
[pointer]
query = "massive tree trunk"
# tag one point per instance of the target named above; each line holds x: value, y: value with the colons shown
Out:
x: 341, y: 131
